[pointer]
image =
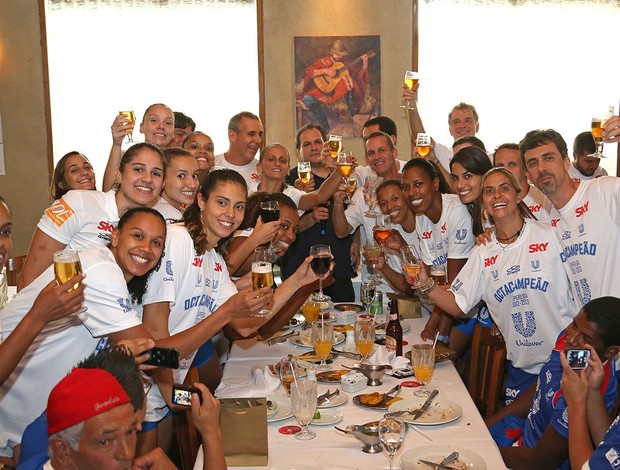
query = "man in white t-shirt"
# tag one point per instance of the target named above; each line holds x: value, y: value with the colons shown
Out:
x: 245, y: 134
x: 507, y: 155
x: 584, y: 166
x: 589, y: 224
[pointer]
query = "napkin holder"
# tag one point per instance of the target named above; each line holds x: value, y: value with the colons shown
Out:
x: 408, y: 307
x: 243, y: 422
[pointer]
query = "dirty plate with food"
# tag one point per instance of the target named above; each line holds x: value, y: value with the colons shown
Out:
x: 375, y: 401
x: 441, y: 411
x: 344, y: 307
x: 467, y: 460
x: 331, y: 376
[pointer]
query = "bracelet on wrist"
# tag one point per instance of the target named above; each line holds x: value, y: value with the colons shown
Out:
x: 428, y: 287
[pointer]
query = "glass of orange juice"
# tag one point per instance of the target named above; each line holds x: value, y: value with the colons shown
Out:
x: 310, y: 309
x: 364, y: 337
x: 323, y: 340
x: 423, y: 358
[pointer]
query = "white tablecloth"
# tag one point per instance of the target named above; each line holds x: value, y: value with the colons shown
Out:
x: 332, y: 449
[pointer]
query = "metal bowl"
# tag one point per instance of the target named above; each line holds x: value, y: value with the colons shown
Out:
x: 368, y: 434
x: 372, y: 372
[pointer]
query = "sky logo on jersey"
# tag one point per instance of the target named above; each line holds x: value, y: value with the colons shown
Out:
x: 427, y: 235
x: 443, y: 228
x: 218, y: 268
x: 197, y: 262
x: 490, y: 261
x: 526, y: 327
x: 495, y: 274
x: 522, y: 283
x: 105, y: 226
x: 535, y: 265
x: 583, y: 248
x: 59, y: 212
x: 255, y: 177
x: 554, y: 222
x: 535, y: 208
x: 513, y: 269
x: 125, y: 304
x: 538, y: 247
x: 582, y: 209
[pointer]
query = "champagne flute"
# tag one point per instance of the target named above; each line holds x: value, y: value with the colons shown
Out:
x: 321, y: 260
x: 131, y: 117
x: 323, y: 340
x: 351, y: 186
x: 411, y: 81
x: 304, y: 170
x: 392, y: 434
x: 411, y: 266
x: 310, y: 310
x: 372, y: 252
x: 367, y: 294
x: 335, y: 146
x: 262, y: 275
x: 303, y: 399
x: 423, y: 358
x: 66, y: 266
x: 370, y: 194
x: 364, y: 337
x: 423, y: 144
x: 383, y: 227
x: 597, y: 132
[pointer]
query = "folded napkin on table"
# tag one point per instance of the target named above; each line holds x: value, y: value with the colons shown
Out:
x: 262, y: 383
x: 382, y: 356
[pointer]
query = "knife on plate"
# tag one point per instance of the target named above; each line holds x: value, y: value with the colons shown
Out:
x: 282, y: 339
x: 417, y: 413
x: 436, y: 466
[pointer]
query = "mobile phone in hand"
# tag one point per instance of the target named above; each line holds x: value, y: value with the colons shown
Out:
x: 578, y: 358
x: 163, y: 357
x: 182, y: 394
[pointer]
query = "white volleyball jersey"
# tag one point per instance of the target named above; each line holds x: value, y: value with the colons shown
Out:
x: 589, y: 232
x: 576, y: 175
x: 195, y: 286
x: 541, y: 206
x: 291, y: 191
x: 62, y: 343
x: 525, y: 290
x: 249, y: 171
x: 451, y: 237
x: 85, y: 219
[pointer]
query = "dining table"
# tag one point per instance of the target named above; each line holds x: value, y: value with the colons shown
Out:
x: 332, y: 449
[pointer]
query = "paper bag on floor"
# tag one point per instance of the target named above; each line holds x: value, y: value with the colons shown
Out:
x: 244, y: 431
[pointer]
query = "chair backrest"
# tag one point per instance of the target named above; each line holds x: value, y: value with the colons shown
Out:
x: 487, y: 367
x: 14, y: 267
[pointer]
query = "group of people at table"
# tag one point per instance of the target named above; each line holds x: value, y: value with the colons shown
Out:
x: 528, y: 240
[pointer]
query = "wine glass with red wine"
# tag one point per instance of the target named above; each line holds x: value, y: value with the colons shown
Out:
x: 321, y: 260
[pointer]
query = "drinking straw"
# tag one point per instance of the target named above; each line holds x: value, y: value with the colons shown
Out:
x: 436, y: 338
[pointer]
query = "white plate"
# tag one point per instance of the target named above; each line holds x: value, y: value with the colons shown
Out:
x: 406, y: 327
x: 338, y: 400
x: 273, y: 409
x: 328, y: 417
x: 469, y: 459
x: 296, y: 340
x: 284, y: 411
x: 441, y: 411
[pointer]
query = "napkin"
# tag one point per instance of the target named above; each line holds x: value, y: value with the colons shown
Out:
x: 262, y: 383
x: 383, y: 356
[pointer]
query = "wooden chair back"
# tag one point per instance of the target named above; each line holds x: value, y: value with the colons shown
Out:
x: 487, y: 368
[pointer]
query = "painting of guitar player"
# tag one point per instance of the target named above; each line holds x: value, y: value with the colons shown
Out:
x: 338, y: 82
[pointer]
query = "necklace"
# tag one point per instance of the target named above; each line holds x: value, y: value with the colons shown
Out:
x: 516, y: 235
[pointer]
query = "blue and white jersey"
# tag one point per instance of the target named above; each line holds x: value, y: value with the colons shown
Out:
x: 607, y: 454
x: 195, y: 286
x: 549, y: 406
x: 525, y: 290
x: 589, y: 231
x: 451, y: 237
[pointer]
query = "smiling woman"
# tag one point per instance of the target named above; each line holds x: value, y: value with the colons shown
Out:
x: 73, y: 171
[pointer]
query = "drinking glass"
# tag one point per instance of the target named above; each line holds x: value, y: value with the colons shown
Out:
x: 367, y: 293
x: 321, y: 260
x: 597, y: 132
x: 423, y: 144
x: 383, y: 227
x: 270, y: 212
x: 66, y: 266
x: 373, y: 251
x: 351, y: 182
x: 323, y: 340
x: 391, y: 434
x: 411, y: 81
x: 304, y: 170
x: 364, y: 337
x: 370, y: 194
x: 345, y: 163
x: 288, y: 372
x: 310, y: 310
x: 438, y: 273
x: 335, y: 145
x: 423, y: 358
x: 262, y: 274
x: 303, y: 399
x: 411, y: 266
x: 131, y: 117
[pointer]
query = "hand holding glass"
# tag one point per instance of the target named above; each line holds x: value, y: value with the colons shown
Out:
x: 411, y: 82
x: 321, y: 260
x: 304, y: 170
x: 131, y: 117
x: 66, y: 266
x: 423, y: 144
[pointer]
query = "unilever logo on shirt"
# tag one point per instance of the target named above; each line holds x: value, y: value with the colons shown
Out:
x: 535, y: 265
x: 125, y: 304
x: 169, y: 268
x: 495, y: 274
x: 526, y: 327
x: 461, y: 234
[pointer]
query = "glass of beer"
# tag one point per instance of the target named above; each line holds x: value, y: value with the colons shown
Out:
x: 423, y: 144
x: 371, y: 183
x: 383, y: 227
x: 438, y: 273
x: 131, y: 117
x: 269, y: 211
x: 364, y: 337
x: 66, y: 266
x: 411, y: 82
x: 304, y: 170
x: 322, y: 340
x: 335, y: 145
x: 262, y: 274
x: 345, y: 166
x: 321, y: 260
x: 423, y: 358
x: 310, y: 310
x: 597, y: 132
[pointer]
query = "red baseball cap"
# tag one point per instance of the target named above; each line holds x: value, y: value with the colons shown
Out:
x: 82, y: 394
